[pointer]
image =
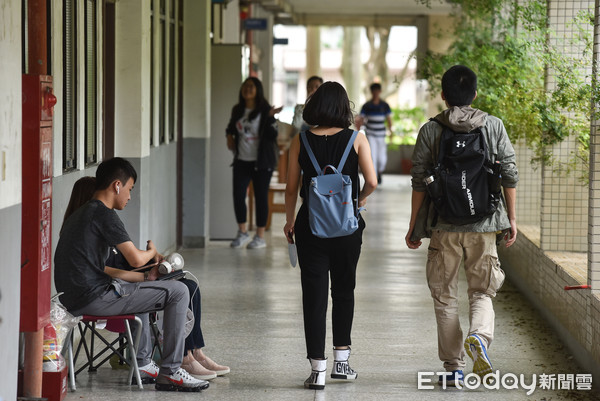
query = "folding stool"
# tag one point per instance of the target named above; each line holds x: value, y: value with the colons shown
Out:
x: 118, y: 324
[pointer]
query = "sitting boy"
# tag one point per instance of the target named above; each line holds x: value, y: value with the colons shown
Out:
x: 89, y: 287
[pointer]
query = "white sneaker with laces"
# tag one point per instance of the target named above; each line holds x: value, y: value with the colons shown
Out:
x: 316, y: 380
x: 257, y: 242
x: 148, y: 373
x: 181, y: 380
x: 341, y: 367
x: 241, y: 240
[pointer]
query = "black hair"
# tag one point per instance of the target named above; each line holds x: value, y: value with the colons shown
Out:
x: 83, y: 190
x: 260, y: 103
x: 459, y: 85
x: 314, y: 78
x: 113, y: 169
x: 375, y: 86
x: 329, y: 107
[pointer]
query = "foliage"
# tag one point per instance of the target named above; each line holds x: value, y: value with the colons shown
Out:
x: 512, y: 49
x: 406, y: 124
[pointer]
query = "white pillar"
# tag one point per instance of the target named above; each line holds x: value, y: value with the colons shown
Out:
x: 196, y: 121
x: 313, y: 51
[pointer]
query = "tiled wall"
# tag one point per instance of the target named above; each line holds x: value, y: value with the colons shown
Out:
x: 594, y: 191
x: 564, y: 197
x: 575, y: 315
x: 529, y: 187
x: 564, y: 207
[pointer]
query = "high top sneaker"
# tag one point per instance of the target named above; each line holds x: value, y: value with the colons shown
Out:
x: 341, y: 368
x: 316, y: 380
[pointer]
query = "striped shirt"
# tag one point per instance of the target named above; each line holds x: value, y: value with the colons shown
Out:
x: 375, y: 115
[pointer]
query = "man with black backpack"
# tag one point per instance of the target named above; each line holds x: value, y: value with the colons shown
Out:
x: 461, y: 160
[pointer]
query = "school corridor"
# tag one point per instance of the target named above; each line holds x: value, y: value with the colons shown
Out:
x: 252, y: 322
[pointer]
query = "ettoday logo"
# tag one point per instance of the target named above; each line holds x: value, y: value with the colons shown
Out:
x: 508, y: 381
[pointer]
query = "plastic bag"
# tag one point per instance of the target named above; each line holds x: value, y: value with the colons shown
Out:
x: 55, y: 334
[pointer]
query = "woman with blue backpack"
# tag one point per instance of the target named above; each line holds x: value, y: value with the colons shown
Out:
x: 323, y: 164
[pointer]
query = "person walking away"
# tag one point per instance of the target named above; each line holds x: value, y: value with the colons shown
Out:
x: 374, y: 115
x: 252, y: 136
x: 328, y: 110
x: 312, y: 84
x: 473, y: 243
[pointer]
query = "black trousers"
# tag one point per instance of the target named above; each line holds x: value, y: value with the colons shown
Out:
x: 320, y: 259
x: 195, y: 339
x: 243, y: 173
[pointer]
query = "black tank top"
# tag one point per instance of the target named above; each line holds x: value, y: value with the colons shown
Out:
x: 329, y: 150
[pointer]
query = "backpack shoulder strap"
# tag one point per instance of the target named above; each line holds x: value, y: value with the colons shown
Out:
x: 446, y: 134
x: 311, y: 155
x: 347, y: 151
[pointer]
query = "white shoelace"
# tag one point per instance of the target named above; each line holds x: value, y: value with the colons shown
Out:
x: 184, y: 374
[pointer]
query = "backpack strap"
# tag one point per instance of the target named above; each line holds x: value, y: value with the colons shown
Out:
x: 313, y: 159
x: 311, y: 155
x: 347, y: 151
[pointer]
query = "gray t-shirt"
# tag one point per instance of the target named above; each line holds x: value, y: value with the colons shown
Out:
x: 83, y: 247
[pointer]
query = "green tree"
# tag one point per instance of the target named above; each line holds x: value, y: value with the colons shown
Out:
x: 513, y: 50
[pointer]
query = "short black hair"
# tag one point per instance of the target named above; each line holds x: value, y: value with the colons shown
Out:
x: 375, y: 86
x: 314, y: 78
x: 113, y: 169
x: 329, y: 107
x: 459, y: 85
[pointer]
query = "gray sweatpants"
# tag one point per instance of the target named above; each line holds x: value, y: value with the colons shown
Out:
x: 140, y: 298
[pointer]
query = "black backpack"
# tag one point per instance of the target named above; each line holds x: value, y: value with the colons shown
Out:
x: 464, y: 186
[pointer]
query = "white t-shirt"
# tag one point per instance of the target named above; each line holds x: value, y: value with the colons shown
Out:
x: 248, y: 139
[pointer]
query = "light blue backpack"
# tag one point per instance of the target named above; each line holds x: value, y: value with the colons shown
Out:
x: 331, y: 212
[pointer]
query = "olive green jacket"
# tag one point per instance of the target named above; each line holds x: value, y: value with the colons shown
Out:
x: 425, y: 155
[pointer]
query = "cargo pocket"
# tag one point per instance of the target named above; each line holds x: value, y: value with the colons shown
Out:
x: 435, y: 272
x: 496, y: 277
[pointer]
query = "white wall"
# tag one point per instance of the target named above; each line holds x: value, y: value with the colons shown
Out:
x: 10, y: 103
x: 10, y: 193
x: 132, y: 77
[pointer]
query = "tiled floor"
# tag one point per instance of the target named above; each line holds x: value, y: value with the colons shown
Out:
x: 252, y: 321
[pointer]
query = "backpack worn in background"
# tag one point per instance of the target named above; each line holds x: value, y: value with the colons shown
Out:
x: 464, y: 185
x: 331, y: 212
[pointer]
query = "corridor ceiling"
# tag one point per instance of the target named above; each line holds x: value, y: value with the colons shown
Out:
x: 351, y: 12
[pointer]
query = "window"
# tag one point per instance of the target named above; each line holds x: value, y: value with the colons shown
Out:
x: 70, y: 84
x: 90, y: 83
x: 80, y: 129
x: 164, y: 77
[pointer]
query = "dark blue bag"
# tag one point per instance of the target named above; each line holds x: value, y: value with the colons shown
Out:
x: 331, y: 212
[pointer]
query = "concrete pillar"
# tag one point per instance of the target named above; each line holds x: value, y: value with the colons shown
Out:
x: 441, y: 36
x: 313, y: 51
x: 132, y: 89
x: 196, y: 121
x: 352, y: 69
x: 132, y: 108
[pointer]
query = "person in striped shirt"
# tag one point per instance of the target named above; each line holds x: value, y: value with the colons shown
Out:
x: 374, y: 114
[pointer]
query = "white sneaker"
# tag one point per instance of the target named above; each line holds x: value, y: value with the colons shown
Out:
x: 316, y: 380
x: 341, y: 367
x: 257, y: 242
x: 241, y: 240
x: 148, y: 373
x: 181, y: 380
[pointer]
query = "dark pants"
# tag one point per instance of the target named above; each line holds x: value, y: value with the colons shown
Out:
x: 195, y: 339
x: 243, y: 173
x: 320, y: 258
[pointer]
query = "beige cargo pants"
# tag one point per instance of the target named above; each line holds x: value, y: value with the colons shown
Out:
x: 484, y: 277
